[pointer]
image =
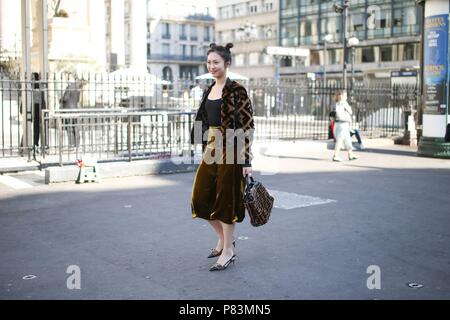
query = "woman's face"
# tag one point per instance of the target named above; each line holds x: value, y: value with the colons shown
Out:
x: 216, y: 65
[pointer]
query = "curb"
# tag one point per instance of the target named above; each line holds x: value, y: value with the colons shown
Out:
x: 287, y: 149
x: 119, y: 169
x: 12, y: 166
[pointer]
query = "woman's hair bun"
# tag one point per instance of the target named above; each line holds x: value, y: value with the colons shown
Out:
x: 229, y: 45
x: 212, y: 45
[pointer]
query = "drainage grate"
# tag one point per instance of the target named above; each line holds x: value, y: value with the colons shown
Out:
x: 415, y: 285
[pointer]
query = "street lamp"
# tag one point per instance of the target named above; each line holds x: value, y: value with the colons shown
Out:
x: 343, y: 9
x: 352, y: 42
x: 247, y: 32
x: 327, y: 38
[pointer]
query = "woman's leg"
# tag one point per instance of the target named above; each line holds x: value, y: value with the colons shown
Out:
x: 228, y: 236
x: 219, y: 231
x: 338, y: 137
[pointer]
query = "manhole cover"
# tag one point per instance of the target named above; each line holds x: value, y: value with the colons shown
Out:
x: 415, y: 285
x: 29, y: 277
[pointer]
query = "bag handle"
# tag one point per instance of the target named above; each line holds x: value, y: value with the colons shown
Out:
x: 247, y: 177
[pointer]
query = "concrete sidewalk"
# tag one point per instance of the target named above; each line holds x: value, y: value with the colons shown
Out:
x: 54, y: 173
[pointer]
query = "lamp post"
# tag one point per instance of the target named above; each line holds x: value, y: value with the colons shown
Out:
x: 343, y: 9
x: 247, y: 33
x: 327, y: 38
x: 352, y: 42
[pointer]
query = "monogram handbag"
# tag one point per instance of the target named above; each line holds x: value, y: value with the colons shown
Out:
x: 257, y: 201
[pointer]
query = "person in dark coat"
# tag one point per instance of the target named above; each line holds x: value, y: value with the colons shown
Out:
x: 217, y: 193
x: 70, y: 100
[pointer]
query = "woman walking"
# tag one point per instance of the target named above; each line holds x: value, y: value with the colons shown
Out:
x: 225, y: 117
x: 342, y: 126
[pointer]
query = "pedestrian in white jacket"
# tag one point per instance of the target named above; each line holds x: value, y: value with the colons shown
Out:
x: 342, y: 126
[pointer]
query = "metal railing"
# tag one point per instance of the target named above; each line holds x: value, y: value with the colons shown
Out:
x: 109, y: 135
x: 130, y: 117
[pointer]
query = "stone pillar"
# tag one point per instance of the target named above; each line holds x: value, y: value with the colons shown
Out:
x: 118, y: 31
x: 435, y: 79
x: 97, y: 30
x: 10, y: 26
x: 25, y: 76
x: 138, y: 34
x: 42, y: 36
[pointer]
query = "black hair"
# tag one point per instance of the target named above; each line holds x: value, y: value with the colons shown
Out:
x: 223, y: 51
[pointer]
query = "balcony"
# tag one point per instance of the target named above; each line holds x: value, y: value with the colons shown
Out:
x: 412, y: 30
x: 176, y: 57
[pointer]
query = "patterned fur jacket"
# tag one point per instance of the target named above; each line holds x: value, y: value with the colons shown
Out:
x: 232, y: 93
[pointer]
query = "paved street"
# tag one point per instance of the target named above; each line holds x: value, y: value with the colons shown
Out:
x: 134, y: 238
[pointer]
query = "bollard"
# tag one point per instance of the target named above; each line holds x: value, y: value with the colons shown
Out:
x: 88, y: 170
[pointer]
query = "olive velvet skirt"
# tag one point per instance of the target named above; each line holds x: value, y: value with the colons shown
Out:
x: 218, y: 189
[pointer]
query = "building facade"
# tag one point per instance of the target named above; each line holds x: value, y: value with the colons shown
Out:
x: 387, y: 30
x: 251, y: 26
x: 178, y: 36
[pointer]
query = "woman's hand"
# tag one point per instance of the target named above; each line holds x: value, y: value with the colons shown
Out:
x: 247, y: 170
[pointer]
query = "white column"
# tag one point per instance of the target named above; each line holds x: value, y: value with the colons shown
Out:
x: 42, y: 29
x: 26, y: 71
x: 434, y: 125
x: 10, y: 25
x: 97, y: 31
x: 118, y: 30
x: 138, y: 34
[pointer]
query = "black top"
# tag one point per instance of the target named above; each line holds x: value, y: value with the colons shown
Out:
x: 213, y: 111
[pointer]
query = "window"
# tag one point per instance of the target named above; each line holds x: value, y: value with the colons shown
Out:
x: 315, y: 58
x: 188, y: 72
x: 193, y: 32
x: 224, y: 12
x: 166, y: 31
x: 184, y: 50
x: 268, y: 5
x: 286, y: 4
x: 193, y: 51
x: 357, y: 22
x: 239, y: 9
x: 183, y: 35
x: 286, y: 62
x: 253, y: 7
x: 253, y: 58
x: 405, y: 16
x: 386, y: 53
x: 167, y: 73
x: 408, y: 51
x: 385, y: 19
x: 206, y: 34
x: 239, y: 59
x: 330, y: 25
x: 148, y: 50
x: 267, y: 59
x: 368, y: 54
x: 166, y: 49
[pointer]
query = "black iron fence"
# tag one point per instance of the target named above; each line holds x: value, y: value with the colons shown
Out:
x: 117, y: 116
